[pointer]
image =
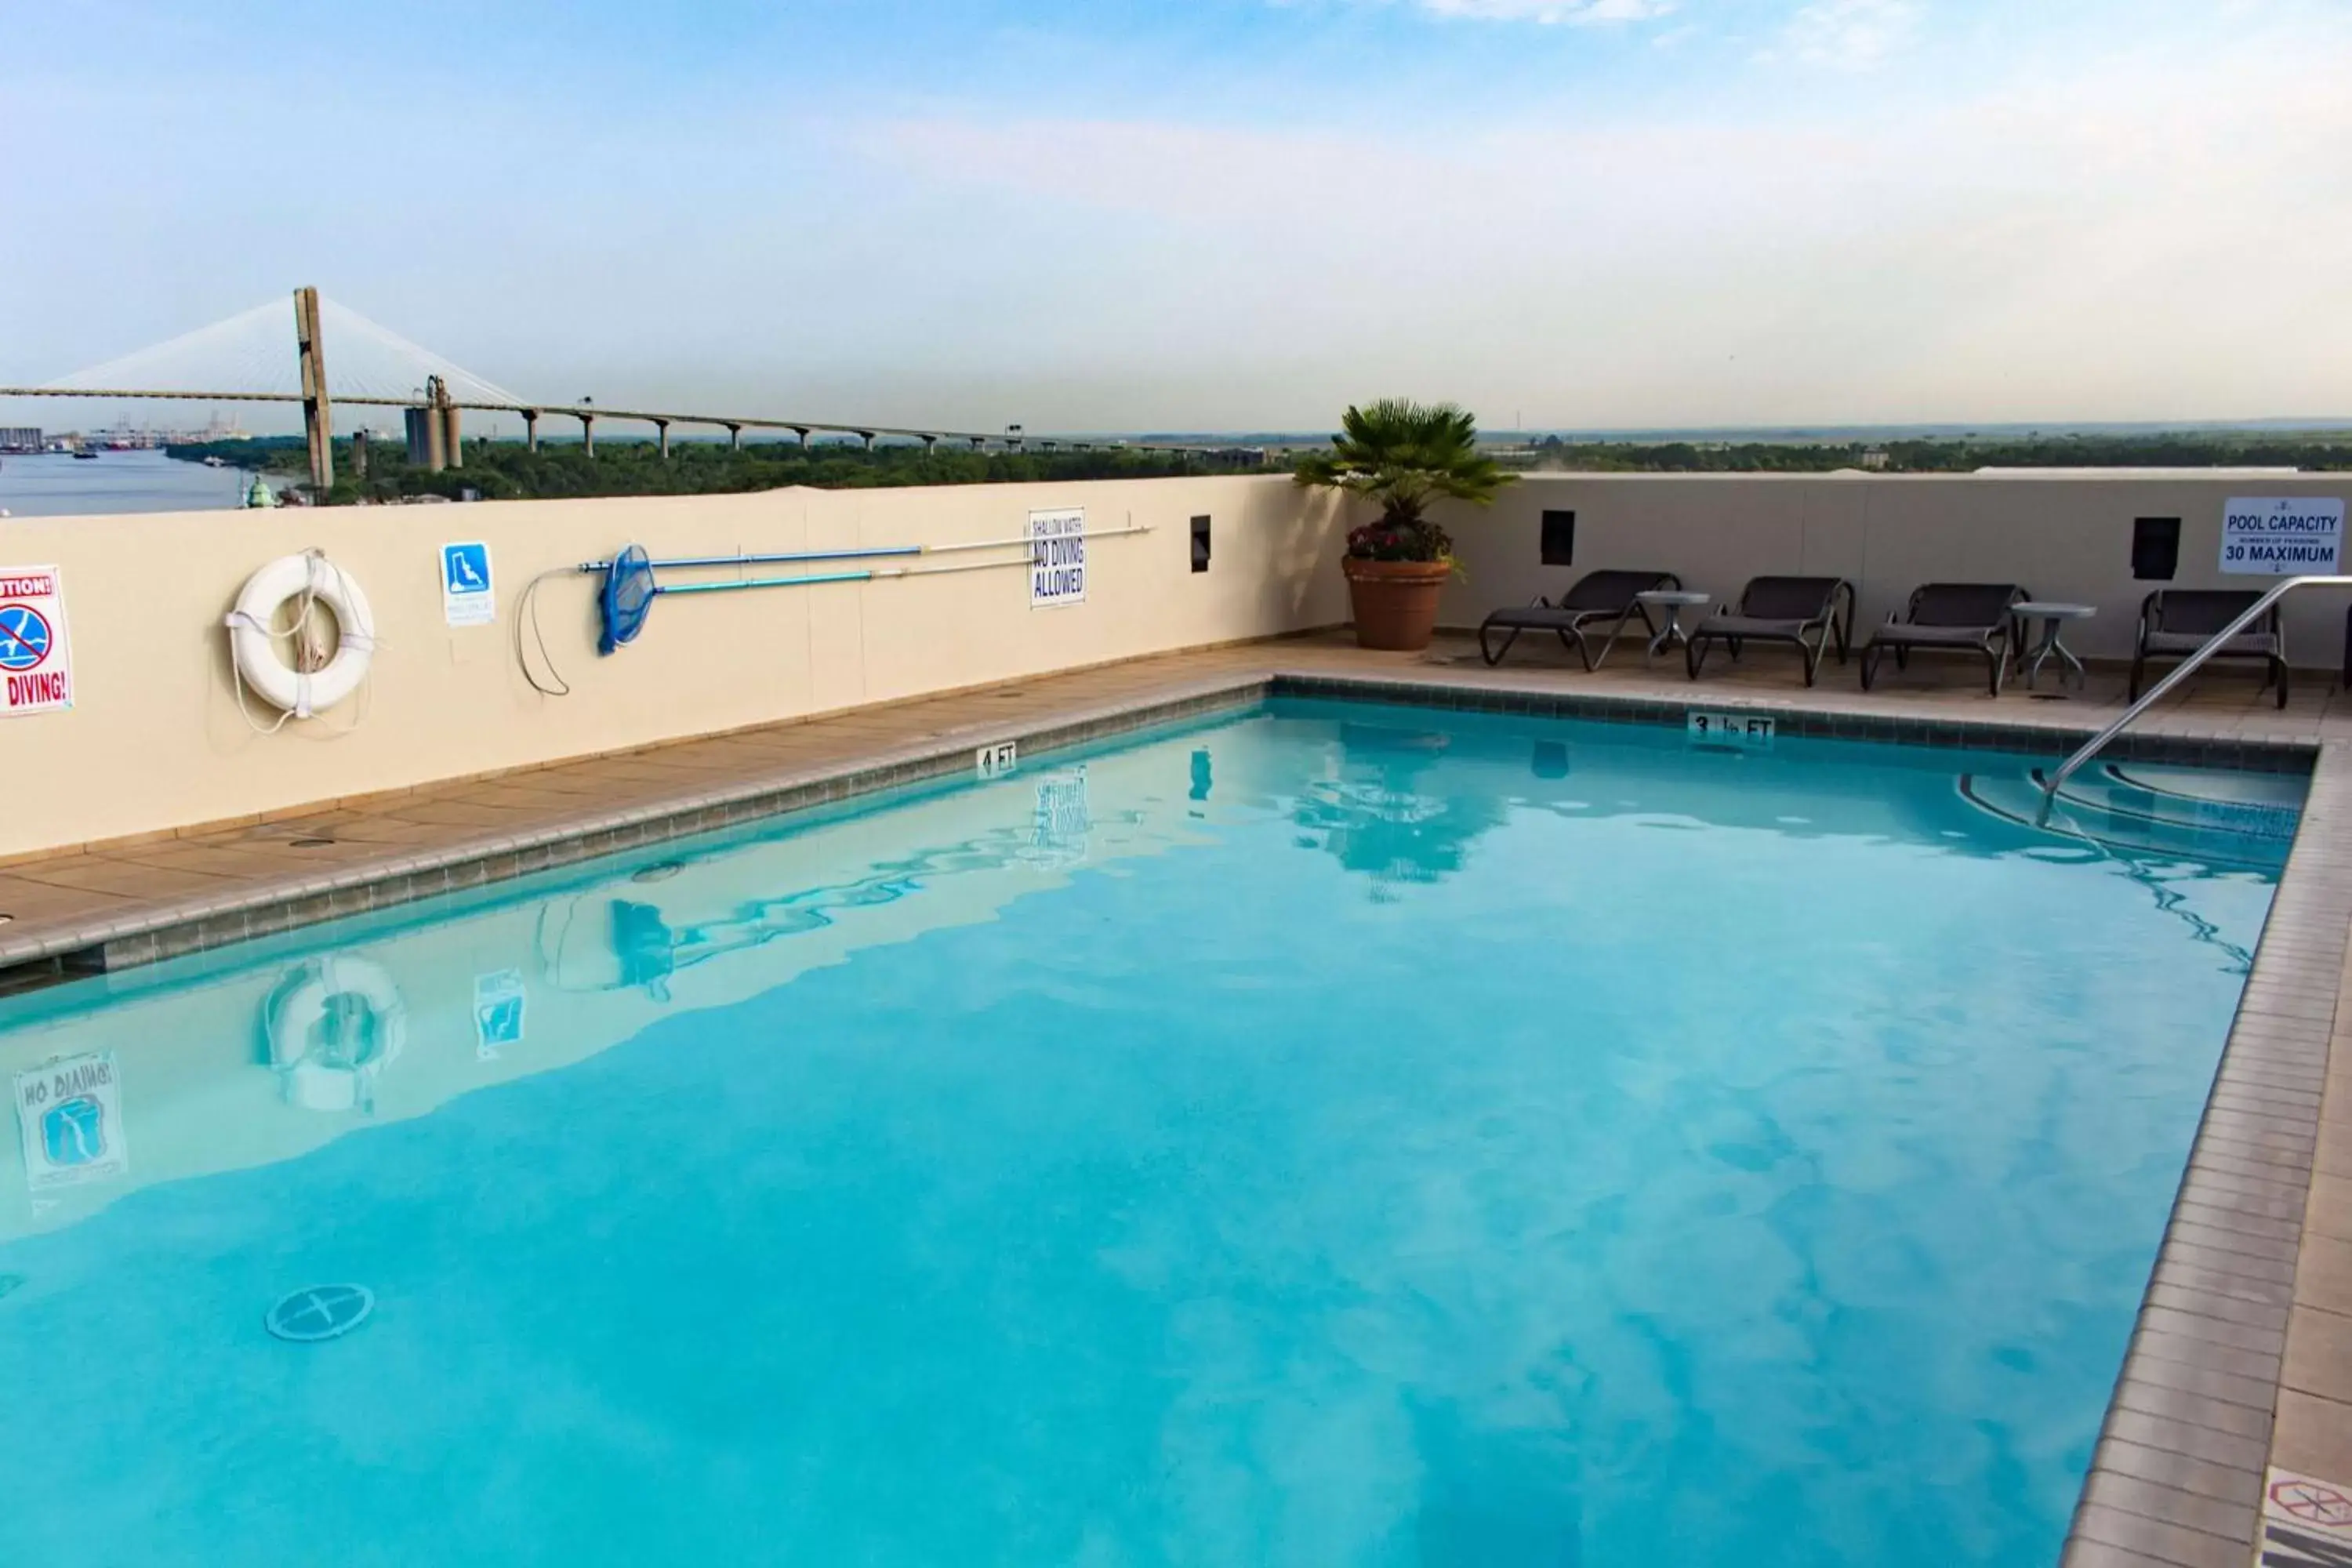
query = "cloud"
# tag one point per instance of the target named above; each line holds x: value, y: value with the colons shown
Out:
x: 1849, y: 35
x: 1577, y: 12
x: 2091, y: 240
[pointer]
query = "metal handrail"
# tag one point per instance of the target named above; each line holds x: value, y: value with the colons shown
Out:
x: 2173, y: 678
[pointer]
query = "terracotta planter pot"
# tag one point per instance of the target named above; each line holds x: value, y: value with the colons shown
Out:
x: 1395, y: 601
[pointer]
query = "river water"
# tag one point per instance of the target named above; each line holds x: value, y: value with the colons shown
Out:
x: 56, y: 485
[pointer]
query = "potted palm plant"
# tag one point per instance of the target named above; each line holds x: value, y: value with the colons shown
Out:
x: 1405, y: 455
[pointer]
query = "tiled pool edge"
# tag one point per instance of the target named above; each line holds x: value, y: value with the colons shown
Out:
x: 2187, y: 747
x: 2178, y: 1477
x: 169, y: 930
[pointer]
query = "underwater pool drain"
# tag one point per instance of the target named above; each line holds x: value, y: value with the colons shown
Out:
x: 659, y: 871
x: 321, y: 1312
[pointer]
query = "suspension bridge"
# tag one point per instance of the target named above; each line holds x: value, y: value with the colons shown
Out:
x: 244, y: 359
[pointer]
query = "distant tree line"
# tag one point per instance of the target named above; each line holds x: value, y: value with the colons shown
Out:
x: 508, y: 470
x: 2320, y: 450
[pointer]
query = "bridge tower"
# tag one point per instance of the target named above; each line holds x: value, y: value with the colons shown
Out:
x: 445, y: 409
x: 318, y: 418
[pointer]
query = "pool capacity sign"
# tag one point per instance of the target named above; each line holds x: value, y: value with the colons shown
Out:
x: 2297, y: 536
x: 1057, y: 557
x: 36, y: 671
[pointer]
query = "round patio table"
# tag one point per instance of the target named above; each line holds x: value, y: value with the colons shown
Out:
x: 1673, y: 601
x: 2053, y: 617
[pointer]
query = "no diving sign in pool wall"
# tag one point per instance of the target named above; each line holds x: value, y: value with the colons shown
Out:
x: 35, y: 666
x: 2289, y: 537
x: 69, y: 1114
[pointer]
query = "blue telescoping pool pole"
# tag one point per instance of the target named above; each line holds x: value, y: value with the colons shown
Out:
x: 630, y: 587
x: 861, y: 552
x: 792, y: 557
x: 729, y: 587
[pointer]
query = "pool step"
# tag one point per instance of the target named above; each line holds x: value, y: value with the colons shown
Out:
x: 2241, y: 819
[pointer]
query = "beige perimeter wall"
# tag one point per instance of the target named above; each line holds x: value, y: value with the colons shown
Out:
x: 156, y: 741
x: 2060, y: 536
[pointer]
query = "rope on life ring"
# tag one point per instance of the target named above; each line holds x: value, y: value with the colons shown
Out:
x: 308, y: 579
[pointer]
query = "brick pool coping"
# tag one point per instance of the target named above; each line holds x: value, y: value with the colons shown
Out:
x: 2233, y: 1346
x: 2178, y: 1476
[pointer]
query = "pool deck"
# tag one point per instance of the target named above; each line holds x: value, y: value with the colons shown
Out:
x: 2241, y: 1363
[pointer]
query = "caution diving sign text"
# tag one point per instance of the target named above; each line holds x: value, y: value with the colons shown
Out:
x: 35, y: 663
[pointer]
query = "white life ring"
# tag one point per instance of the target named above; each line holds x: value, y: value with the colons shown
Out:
x: 310, y: 578
x: 336, y: 1071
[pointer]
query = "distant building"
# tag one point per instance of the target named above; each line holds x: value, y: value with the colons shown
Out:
x: 21, y: 439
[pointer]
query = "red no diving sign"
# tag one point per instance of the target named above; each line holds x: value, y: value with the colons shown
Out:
x: 35, y: 659
x: 2306, y: 1524
x: 2311, y: 1502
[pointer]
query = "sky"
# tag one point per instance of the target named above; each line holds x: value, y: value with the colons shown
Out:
x: 1218, y: 214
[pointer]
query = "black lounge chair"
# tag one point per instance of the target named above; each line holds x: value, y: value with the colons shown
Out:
x: 1597, y: 597
x: 1799, y: 610
x: 1950, y: 617
x: 2175, y: 622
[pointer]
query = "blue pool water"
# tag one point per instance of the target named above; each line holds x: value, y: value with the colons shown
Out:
x: 1334, y: 1135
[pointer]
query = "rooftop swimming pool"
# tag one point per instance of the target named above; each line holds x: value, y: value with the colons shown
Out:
x: 1331, y: 1134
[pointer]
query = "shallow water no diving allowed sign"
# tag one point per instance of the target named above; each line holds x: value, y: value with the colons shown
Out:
x: 1057, y: 557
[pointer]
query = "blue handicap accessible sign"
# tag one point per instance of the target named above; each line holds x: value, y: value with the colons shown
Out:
x: 465, y: 596
x: 465, y: 568
x: 498, y: 1001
